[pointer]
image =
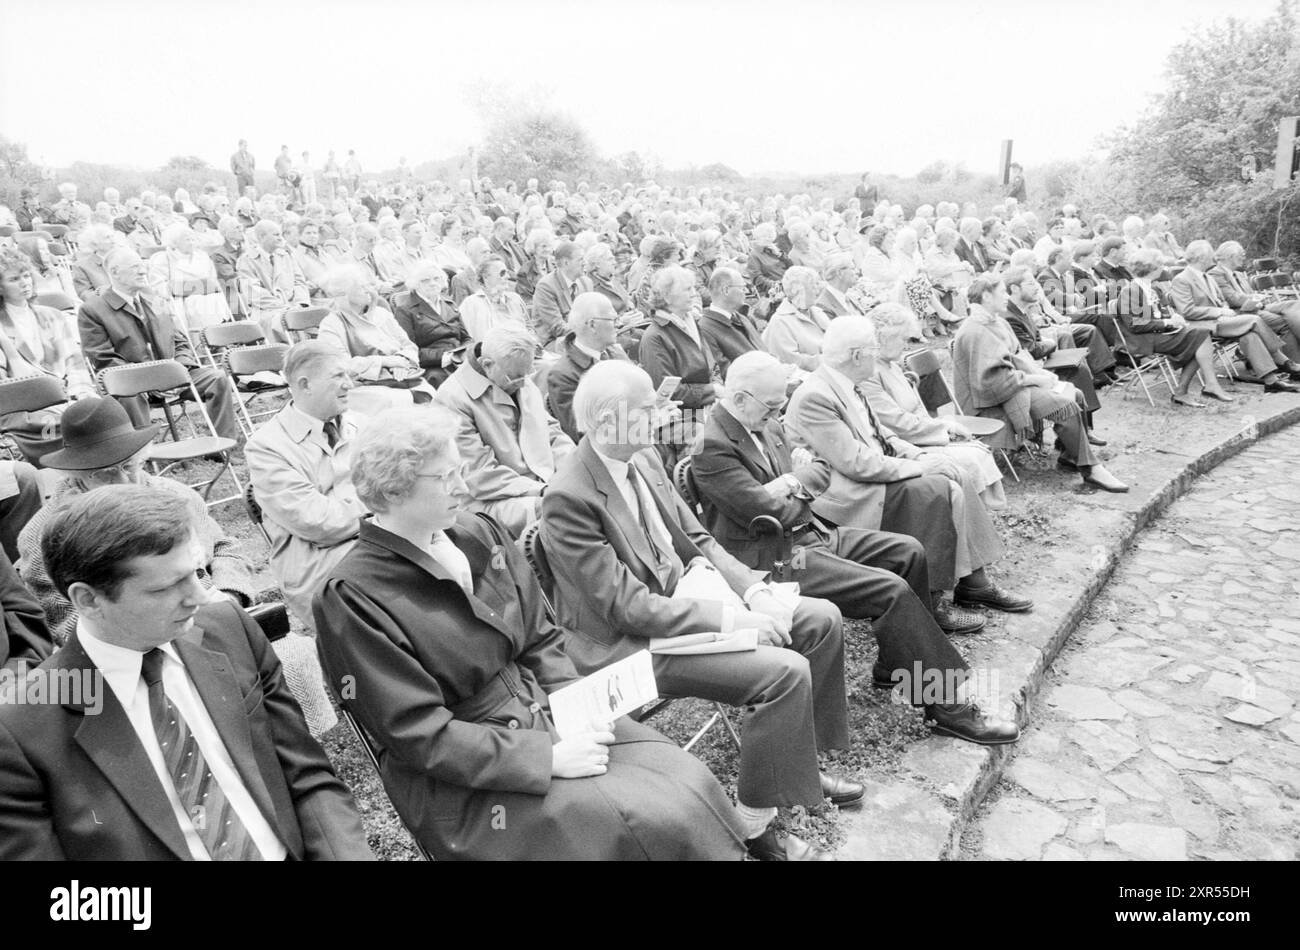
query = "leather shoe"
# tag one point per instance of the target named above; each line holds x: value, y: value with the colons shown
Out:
x: 991, y: 595
x: 769, y: 846
x: 1098, y: 477
x: 1093, y: 440
x: 842, y: 792
x: 882, y: 678
x: 953, y: 620
x: 1279, y: 385
x: 1291, y: 368
x: 965, y: 721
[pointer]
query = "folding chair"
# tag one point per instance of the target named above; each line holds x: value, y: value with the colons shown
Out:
x: 161, y: 379
x: 303, y: 324
x: 530, y: 543
x: 1156, y: 361
x: 27, y: 394
x: 371, y: 748
x: 242, y: 362
x: 255, y: 512
x: 57, y: 300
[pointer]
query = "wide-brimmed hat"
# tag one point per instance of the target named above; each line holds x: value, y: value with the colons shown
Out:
x: 97, y: 433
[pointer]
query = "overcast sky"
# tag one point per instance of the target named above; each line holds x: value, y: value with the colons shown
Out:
x: 796, y: 85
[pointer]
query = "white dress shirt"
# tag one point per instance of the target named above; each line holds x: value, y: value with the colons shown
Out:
x: 122, y: 670
x: 443, y: 550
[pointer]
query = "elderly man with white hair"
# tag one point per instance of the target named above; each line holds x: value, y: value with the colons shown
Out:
x: 593, y: 331
x: 1195, y: 294
x: 509, y: 442
x: 272, y: 279
x: 1281, y: 316
x: 632, y: 563
x: 68, y: 210
x: 123, y: 325
x: 88, y: 273
x: 795, y: 330
x: 882, y: 481
x: 745, y: 469
x: 1160, y: 238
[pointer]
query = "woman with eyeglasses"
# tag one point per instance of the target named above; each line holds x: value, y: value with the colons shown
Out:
x: 433, y: 630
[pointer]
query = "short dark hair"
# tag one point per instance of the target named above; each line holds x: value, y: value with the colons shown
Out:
x: 982, y: 285
x: 1110, y: 243
x: 92, y: 537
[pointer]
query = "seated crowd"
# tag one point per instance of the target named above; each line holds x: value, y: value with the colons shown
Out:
x: 684, y: 400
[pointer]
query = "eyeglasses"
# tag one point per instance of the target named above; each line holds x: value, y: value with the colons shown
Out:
x: 458, y: 474
x: 772, y: 409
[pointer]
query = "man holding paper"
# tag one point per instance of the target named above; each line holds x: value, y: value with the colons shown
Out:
x: 744, y: 468
x: 621, y: 542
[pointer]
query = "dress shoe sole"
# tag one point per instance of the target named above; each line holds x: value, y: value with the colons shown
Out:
x: 847, y: 801
x: 945, y: 731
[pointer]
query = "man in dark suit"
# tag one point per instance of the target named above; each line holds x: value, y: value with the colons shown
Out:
x: 969, y: 247
x: 726, y: 329
x: 430, y: 320
x: 744, y: 469
x: 841, y: 273
x: 593, y: 329
x: 26, y: 641
x: 1040, y: 338
x: 167, y: 731
x: 242, y: 166
x: 133, y: 220
x: 121, y: 326
x: 620, y: 542
x: 553, y: 296
x: 1111, y: 267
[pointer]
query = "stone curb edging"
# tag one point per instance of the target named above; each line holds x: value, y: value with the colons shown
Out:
x: 969, y: 798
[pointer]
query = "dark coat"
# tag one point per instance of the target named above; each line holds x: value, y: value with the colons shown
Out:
x: 1026, y: 331
x: 666, y: 350
x: 80, y: 787
x: 454, y: 689
x: 562, y: 381
x: 110, y: 336
x: 731, y: 474
x: 433, y: 333
x: 729, y: 336
x: 26, y: 640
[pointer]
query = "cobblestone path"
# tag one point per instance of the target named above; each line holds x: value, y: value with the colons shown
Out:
x: 1168, y: 727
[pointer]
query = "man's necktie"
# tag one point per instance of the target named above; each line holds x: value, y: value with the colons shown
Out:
x: 332, y: 432
x: 217, y: 823
x: 875, y: 426
x: 663, y: 559
x: 142, y: 314
x: 1211, y: 288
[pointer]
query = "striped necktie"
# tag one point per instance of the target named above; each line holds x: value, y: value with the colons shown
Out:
x: 217, y: 823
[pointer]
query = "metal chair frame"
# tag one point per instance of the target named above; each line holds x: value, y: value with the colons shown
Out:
x: 152, y: 378
x: 530, y: 543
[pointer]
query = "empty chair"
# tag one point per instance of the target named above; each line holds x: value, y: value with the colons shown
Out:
x: 243, y: 362
x: 162, y: 379
x: 27, y: 425
x: 303, y: 324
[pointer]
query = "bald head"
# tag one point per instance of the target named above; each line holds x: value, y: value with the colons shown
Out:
x: 593, y: 321
x: 614, y: 405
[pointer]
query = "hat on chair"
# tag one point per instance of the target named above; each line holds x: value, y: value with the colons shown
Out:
x: 97, y: 433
